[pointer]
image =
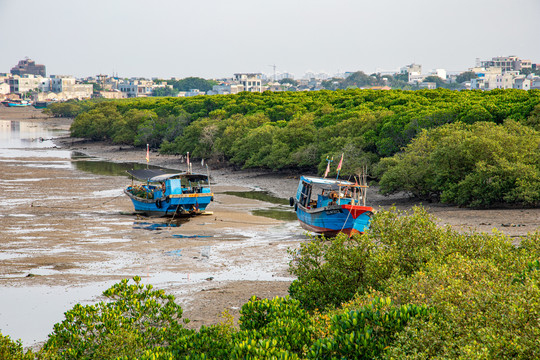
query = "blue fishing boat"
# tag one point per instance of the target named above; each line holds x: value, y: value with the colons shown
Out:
x: 16, y: 103
x: 331, y: 206
x: 169, y: 194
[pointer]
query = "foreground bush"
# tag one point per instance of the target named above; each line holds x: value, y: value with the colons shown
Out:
x: 13, y: 350
x: 483, y: 292
x: 135, y: 319
x: 367, y: 332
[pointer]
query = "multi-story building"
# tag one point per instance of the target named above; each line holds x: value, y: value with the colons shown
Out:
x: 507, y: 63
x: 136, y: 88
x: 68, y: 88
x: 505, y: 81
x: 522, y: 83
x: 28, y: 67
x: 250, y: 81
x: 22, y: 84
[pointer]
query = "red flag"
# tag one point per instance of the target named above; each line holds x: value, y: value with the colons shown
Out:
x: 147, y: 153
x: 327, y: 169
x: 340, y: 162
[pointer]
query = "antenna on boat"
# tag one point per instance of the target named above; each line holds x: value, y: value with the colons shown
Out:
x: 208, y: 174
x: 147, y: 155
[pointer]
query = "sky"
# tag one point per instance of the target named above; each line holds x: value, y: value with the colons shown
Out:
x: 217, y: 38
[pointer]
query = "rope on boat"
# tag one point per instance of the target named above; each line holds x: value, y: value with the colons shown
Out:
x: 71, y: 207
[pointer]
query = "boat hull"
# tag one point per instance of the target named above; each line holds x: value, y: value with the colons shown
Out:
x: 332, y: 220
x: 17, y: 103
x: 174, y: 205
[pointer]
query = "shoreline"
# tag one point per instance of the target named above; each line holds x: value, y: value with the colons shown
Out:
x: 514, y: 222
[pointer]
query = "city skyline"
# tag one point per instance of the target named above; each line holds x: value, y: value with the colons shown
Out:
x: 214, y: 39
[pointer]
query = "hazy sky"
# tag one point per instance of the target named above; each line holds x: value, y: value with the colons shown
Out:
x: 216, y: 38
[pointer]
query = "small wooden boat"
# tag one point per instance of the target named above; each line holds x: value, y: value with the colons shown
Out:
x: 169, y: 194
x: 331, y: 206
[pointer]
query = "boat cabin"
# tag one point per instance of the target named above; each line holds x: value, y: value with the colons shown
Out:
x: 315, y: 193
x: 160, y: 184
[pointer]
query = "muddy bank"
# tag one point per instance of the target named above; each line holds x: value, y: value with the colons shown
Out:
x: 512, y: 222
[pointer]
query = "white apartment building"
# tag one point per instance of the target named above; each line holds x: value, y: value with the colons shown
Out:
x: 66, y: 87
x: 250, y: 81
x: 522, y: 83
x: 136, y: 88
x: 20, y: 85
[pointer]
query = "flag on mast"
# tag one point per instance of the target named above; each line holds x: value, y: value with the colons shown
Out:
x: 147, y: 153
x: 327, y: 169
x: 340, y: 162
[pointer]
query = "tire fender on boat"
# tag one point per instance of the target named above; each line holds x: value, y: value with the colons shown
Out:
x: 158, y: 203
x: 291, y: 201
x: 167, y: 199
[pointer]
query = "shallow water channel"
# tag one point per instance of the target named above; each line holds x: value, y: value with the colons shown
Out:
x: 67, y: 235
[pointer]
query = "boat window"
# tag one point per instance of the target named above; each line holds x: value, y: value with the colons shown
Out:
x: 305, y: 195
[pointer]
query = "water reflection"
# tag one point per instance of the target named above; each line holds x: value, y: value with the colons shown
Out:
x: 26, y: 134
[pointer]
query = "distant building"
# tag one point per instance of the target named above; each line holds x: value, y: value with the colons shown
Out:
x: 136, y: 88
x: 194, y: 92
x: 22, y: 84
x: 535, y: 82
x: 113, y: 94
x: 428, y: 85
x: 225, y: 89
x: 251, y: 81
x: 28, y: 67
x: 440, y: 73
x: 505, y: 81
x: 507, y: 63
x: 68, y: 88
x: 284, y: 75
x: 522, y: 83
x: 414, y: 72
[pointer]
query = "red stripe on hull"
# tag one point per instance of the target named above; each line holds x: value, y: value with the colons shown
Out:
x: 356, y: 210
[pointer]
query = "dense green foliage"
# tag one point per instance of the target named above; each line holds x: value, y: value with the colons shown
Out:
x: 476, y: 165
x: 135, y: 318
x: 192, y: 83
x: 422, y: 292
x: 482, y: 290
x: 13, y: 350
x: 299, y: 130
